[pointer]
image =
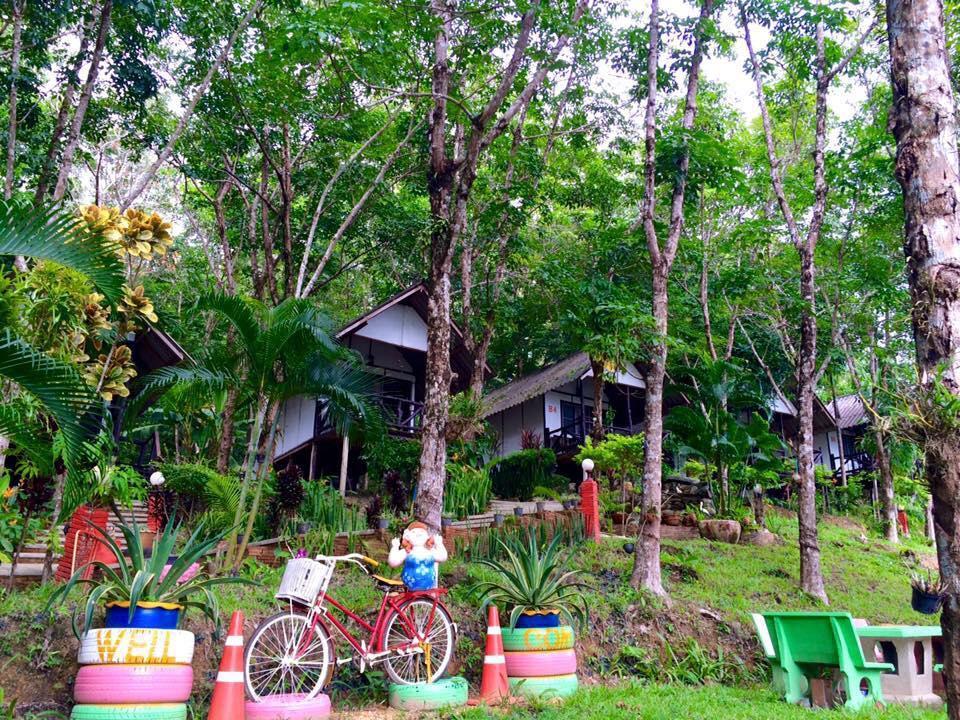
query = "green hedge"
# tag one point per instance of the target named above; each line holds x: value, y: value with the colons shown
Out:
x: 515, y: 476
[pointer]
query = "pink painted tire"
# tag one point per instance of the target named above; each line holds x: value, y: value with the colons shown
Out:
x: 133, y: 684
x: 541, y: 663
x: 288, y: 707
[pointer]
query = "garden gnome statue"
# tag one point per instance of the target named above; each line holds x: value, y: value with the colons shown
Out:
x: 419, y: 552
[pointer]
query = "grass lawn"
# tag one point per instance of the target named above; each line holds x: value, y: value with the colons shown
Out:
x: 668, y: 702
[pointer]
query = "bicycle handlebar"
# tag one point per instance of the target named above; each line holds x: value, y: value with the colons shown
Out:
x: 351, y: 557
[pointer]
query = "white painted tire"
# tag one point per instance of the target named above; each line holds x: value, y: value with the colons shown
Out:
x: 289, y: 707
x: 136, y: 646
x: 541, y: 663
x: 133, y: 684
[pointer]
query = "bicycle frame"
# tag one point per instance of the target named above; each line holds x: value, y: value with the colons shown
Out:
x: 390, y: 603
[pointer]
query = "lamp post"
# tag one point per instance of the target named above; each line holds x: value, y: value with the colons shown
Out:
x: 156, y: 507
x: 590, y: 502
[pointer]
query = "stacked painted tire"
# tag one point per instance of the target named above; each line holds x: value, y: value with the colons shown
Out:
x: 541, y: 659
x: 132, y: 671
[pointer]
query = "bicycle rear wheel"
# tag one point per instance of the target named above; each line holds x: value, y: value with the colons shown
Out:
x: 432, y: 625
x: 288, y: 654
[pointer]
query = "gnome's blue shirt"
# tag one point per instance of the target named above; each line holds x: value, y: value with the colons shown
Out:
x: 419, y: 573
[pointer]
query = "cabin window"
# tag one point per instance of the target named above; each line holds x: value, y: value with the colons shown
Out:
x: 570, y: 413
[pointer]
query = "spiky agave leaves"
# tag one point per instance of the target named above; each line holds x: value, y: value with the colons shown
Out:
x: 141, y: 579
x: 534, y: 577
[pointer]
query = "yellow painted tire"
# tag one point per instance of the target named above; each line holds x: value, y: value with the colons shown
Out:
x: 136, y: 646
x: 530, y: 639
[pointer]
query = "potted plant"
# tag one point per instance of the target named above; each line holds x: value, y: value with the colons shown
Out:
x: 534, y: 582
x: 152, y: 592
x: 927, y: 593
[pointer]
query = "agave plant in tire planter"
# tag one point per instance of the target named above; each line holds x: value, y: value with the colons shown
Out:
x: 150, y: 591
x: 534, y: 582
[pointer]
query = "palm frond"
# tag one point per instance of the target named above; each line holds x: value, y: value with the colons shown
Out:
x: 74, y: 405
x: 57, y: 236
x: 245, y: 315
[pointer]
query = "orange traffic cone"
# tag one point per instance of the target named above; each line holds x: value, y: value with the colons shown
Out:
x: 228, y: 701
x: 494, y: 686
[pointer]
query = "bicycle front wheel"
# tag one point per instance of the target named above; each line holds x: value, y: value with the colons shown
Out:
x: 288, y: 654
x: 431, y: 628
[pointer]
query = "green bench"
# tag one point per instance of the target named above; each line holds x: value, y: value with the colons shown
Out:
x: 799, y: 644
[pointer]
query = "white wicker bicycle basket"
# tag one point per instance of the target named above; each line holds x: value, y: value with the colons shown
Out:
x: 304, y: 580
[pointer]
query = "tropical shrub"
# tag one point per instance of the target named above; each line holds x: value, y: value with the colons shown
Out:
x: 202, y: 492
x: 323, y: 508
x: 467, y: 491
x: 516, y: 475
x: 392, y: 455
x: 620, y: 457
x: 142, y: 579
x: 534, y: 576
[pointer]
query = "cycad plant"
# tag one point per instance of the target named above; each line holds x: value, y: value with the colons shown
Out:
x: 142, y: 579
x: 534, y: 576
x: 278, y: 353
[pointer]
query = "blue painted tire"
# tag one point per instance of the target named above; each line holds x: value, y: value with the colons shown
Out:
x: 447, y: 692
x: 539, y: 619
x: 156, y: 616
x: 161, y: 711
x: 544, y: 688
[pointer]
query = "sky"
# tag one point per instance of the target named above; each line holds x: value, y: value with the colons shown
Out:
x: 729, y: 71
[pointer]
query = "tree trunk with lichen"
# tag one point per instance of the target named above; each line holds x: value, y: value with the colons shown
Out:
x: 597, y: 368
x: 646, y: 562
x: 925, y: 126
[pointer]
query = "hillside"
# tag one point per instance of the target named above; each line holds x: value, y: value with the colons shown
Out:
x: 703, y: 637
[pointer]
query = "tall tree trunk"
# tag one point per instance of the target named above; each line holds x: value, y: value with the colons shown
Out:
x: 888, y: 505
x: 66, y: 105
x: 59, y: 483
x: 927, y: 167
x: 433, y: 439
x: 18, y: 6
x: 646, y: 565
x: 225, y: 445
x: 76, y: 125
x: 646, y: 562
x: 597, y: 368
x: 811, y: 573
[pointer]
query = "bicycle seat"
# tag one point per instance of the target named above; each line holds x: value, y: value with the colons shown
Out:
x: 389, y: 582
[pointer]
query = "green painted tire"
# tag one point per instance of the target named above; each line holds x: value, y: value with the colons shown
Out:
x: 544, y: 688
x: 446, y: 692
x: 159, y: 711
x: 530, y: 639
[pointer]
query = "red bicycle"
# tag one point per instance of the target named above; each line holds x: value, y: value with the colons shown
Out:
x: 293, y: 652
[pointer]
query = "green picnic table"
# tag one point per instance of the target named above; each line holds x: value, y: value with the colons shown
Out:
x: 802, y: 644
x: 909, y: 648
